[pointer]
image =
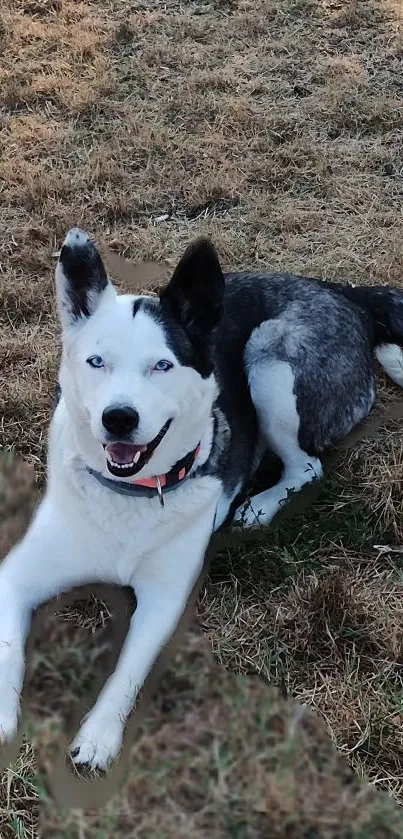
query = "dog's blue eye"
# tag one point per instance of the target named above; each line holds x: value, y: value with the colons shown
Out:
x: 162, y: 366
x: 95, y: 361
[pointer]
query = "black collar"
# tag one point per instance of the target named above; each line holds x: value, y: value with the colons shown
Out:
x: 154, y: 486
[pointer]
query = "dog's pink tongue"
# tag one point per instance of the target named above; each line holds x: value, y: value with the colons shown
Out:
x: 123, y: 452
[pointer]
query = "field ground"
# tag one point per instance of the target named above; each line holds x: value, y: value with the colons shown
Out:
x: 276, y: 128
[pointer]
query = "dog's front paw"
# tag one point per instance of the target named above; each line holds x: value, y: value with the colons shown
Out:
x: 11, y: 677
x: 99, y: 741
x: 8, y: 722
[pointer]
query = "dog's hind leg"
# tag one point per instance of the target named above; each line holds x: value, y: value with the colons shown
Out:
x: 272, y: 389
x: 390, y: 356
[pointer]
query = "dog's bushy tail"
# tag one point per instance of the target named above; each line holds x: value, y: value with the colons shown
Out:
x: 385, y: 306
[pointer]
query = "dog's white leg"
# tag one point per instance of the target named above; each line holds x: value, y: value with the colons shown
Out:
x: 262, y: 508
x: 14, y: 621
x: 46, y: 562
x: 272, y: 390
x: 162, y: 584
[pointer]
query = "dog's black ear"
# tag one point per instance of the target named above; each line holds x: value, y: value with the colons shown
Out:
x: 195, y: 293
x: 81, y: 279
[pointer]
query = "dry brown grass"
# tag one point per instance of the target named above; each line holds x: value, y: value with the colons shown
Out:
x: 333, y: 638
x: 277, y: 129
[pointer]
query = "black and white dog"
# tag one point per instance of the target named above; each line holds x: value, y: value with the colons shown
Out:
x: 167, y: 405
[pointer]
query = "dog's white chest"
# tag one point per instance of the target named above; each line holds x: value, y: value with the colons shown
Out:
x: 120, y: 531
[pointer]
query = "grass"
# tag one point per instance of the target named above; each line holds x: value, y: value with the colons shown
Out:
x: 282, y: 141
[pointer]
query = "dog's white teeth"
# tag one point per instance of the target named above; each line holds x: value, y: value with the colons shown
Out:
x: 123, y: 466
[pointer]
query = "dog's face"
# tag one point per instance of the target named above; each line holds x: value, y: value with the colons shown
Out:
x: 137, y: 372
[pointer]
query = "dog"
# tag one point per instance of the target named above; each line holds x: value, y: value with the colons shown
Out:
x: 166, y: 407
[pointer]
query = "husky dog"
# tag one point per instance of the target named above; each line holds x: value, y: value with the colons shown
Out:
x: 166, y: 407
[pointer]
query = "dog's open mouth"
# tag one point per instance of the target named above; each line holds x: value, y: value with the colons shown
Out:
x: 126, y: 459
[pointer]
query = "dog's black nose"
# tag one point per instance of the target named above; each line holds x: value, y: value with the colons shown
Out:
x: 120, y: 420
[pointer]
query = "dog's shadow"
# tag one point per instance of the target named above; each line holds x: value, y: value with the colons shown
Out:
x: 73, y: 647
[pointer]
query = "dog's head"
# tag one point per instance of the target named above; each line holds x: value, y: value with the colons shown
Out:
x: 137, y: 372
